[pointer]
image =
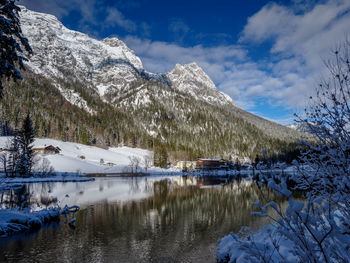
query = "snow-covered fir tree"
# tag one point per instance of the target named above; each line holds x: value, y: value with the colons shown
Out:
x: 11, y: 42
x: 21, y: 151
x: 25, y: 141
x: 14, y: 156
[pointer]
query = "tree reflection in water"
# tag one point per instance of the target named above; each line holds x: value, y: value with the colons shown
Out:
x: 18, y: 197
x: 180, y: 221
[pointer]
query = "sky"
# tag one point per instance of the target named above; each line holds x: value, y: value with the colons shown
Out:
x: 267, y: 55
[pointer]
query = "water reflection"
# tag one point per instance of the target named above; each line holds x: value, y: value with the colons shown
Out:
x: 155, y: 219
x: 18, y: 197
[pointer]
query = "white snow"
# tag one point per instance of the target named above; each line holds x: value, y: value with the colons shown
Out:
x: 191, y: 79
x: 106, y: 66
x: 13, y: 220
x: 61, y: 53
x: 58, y: 177
x: 75, y: 99
x: 228, y: 247
x: 75, y: 157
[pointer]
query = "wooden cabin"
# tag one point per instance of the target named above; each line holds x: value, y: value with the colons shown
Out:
x: 209, y: 164
x: 48, y: 150
x: 52, y: 150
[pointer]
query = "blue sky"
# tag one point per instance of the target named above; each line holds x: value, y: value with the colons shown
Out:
x: 267, y: 55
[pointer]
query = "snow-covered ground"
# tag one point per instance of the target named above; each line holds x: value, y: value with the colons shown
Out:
x: 58, y: 177
x: 229, y: 250
x: 79, y: 158
x: 13, y: 221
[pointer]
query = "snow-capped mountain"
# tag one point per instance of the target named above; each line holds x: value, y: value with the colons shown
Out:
x: 190, y: 78
x: 107, y: 66
x: 63, y: 53
x: 302, y: 126
x: 106, y: 97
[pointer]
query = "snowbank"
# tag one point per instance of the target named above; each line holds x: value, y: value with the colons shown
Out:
x: 57, y: 178
x: 15, y: 221
x: 229, y: 250
x: 13, y: 183
x: 79, y: 158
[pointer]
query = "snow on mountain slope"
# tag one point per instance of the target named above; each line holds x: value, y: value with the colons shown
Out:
x: 107, y: 66
x: 63, y: 53
x: 190, y: 78
x: 300, y: 126
x: 75, y: 99
x: 70, y: 157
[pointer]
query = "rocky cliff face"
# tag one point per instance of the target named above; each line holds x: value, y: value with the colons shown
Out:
x: 60, y: 53
x: 193, y: 80
x: 107, y: 66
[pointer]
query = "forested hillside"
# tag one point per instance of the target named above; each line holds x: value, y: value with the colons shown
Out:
x: 91, y: 91
x: 147, y: 115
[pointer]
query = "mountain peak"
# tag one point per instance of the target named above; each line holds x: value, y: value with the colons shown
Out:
x: 189, y: 66
x: 191, y: 78
x: 114, y: 42
x: 108, y: 66
x: 191, y: 73
x: 61, y: 53
x: 193, y: 65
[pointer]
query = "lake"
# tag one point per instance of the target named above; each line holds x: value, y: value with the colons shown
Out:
x: 145, y: 219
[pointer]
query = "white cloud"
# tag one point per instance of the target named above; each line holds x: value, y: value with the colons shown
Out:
x: 89, y: 10
x: 116, y: 17
x: 179, y: 28
x: 301, y: 40
x: 51, y: 7
x: 227, y: 65
x: 301, y: 36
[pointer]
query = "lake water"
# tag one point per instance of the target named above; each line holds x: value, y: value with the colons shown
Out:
x: 146, y: 219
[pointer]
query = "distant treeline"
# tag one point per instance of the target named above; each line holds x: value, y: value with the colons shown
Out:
x: 172, y: 124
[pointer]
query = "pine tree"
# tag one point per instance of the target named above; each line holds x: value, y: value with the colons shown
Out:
x: 160, y: 156
x: 25, y: 140
x: 14, y: 155
x: 238, y: 164
x: 163, y: 157
x: 156, y: 158
x: 10, y: 49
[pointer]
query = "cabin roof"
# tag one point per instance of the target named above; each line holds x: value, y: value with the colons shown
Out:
x: 206, y: 159
x: 49, y: 148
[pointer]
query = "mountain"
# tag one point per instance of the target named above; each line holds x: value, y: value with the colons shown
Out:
x: 107, y: 66
x: 106, y: 97
x: 304, y: 127
x: 193, y: 80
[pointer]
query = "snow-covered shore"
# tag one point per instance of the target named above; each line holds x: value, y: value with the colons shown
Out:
x: 82, y: 159
x: 229, y: 250
x: 11, y: 183
x: 13, y: 221
x: 75, y: 158
x: 55, y: 178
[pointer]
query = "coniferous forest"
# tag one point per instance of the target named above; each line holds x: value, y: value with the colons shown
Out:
x: 182, y: 127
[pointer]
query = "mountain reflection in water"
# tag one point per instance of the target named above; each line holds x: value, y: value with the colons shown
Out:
x: 149, y: 219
